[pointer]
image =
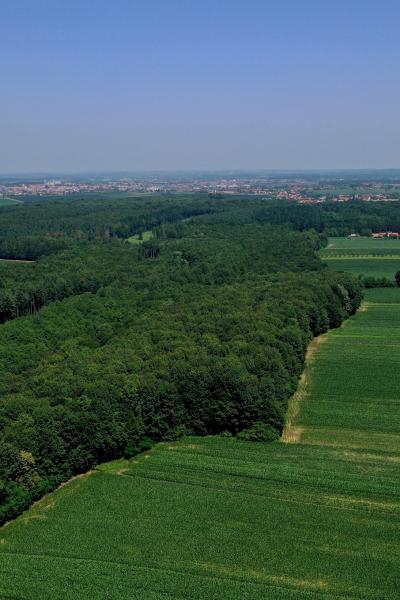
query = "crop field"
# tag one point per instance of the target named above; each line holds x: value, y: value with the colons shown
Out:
x: 315, y: 518
x: 363, y: 256
x: 215, y: 518
x: 362, y: 404
x: 362, y: 246
x: 367, y: 267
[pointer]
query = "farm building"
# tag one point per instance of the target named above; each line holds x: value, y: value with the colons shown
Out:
x: 385, y: 234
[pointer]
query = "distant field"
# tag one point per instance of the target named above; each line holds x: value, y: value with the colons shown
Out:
x: 215, y: 518
x: 390, y: 295
x: 362, y: 245
x: 8, y: 202
x: 367, y: 266
x: 363, y: 256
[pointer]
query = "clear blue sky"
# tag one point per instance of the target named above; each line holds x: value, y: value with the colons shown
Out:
x: 207, y: 84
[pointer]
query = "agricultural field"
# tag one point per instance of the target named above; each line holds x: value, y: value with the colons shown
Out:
x: 360, y: 246
x: 368, y: 266
x: 313, y: 517
x: 215, y: 518
x: 9, y: 202
x: 363, y: 256
x: 361, y: 407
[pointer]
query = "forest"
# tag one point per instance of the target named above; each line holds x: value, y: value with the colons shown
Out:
x: 108, y: 347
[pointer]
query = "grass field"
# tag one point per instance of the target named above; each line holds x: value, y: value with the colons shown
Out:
x: 315, y: 518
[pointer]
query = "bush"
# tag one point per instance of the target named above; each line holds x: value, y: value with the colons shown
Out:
x: 377, y: 282
x: 131, y: 450
x: 177, y: 432
x: 145, y: 444
x: 259, y: 432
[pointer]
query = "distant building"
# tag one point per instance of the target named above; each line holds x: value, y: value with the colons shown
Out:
x: 385, y: 234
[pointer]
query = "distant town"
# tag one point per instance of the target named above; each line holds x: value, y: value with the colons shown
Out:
x: 304, y: 189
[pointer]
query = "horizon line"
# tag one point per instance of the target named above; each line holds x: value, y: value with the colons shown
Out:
x: 200, y: 171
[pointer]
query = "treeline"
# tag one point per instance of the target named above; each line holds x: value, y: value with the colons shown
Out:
x: 380, y: 282
x: 26, y: 287
x: 333, y: 218
x: 31, y: 247
x: 201, y: 330
x: 43, y: 220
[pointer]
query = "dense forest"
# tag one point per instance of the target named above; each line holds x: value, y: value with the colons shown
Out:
x: 107, y: 347
x: 334, y: 218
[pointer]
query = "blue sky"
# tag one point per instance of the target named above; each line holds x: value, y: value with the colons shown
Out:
x: 185, y: 84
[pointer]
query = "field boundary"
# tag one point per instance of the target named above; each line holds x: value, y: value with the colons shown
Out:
x: 292, y: 432
x: 360, y: 257
x: 38, y: 503
x: 18, y: 260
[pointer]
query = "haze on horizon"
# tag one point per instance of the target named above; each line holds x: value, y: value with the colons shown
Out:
x: 180, y: 85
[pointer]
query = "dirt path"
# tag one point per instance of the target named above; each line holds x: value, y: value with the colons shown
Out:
x: 292, y: 432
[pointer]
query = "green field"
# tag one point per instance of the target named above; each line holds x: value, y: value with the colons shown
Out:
x: 315, y: 518
x: 367, y: 267
x: 363, y: 256
x: 361, y: 245
x: 215, y: 518
x: 361, y: 406
x: 9, y: 202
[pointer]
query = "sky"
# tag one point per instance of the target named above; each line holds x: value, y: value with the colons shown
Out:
x: 133, y: 85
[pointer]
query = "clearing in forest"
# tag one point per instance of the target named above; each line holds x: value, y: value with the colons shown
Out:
x: 139, y: 238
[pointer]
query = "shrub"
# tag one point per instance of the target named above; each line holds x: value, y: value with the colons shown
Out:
x: 131, y: 450
x: 176, y: 433
x: 259, y: 432
x: 145, y: 444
